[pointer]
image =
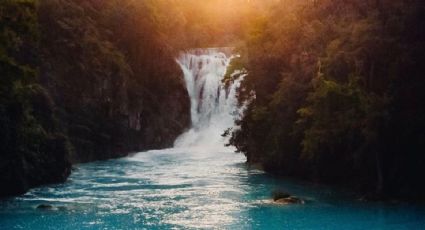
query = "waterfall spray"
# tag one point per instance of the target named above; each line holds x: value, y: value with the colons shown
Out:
x: 214, y: 107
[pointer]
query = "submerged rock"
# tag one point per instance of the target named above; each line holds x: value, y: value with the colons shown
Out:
x: 280, y: 195
x: 290, y: 200
x: 45, y: 207
x: 49, y: 207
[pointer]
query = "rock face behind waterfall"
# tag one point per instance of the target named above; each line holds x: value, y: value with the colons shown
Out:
x: 149, y: 118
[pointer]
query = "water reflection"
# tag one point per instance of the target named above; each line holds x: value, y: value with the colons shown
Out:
x: 183, y: 189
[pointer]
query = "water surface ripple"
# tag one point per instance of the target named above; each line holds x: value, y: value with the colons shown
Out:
x: 192, y: 189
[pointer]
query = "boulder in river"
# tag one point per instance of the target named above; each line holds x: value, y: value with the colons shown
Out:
x: 49, y: 207
x: 45, y: 207
x: 280, y: 195
x: 290, y: 200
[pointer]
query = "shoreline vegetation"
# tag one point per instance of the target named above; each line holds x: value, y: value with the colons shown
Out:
x: 339, y: 93
x: 335, y: 89
x: 82, y: 81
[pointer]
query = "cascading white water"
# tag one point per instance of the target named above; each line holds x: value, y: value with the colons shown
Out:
x: 214, y: 106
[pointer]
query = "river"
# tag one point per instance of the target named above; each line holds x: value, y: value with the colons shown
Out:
x: 199, y: 184
x: 193, y: 189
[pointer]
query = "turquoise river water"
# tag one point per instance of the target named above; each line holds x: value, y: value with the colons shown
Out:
x: 193, y: 189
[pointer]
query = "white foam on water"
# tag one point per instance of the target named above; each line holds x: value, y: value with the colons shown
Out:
x: 214, y: 107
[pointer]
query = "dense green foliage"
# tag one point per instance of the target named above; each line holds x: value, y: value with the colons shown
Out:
x: 338, y: 85
x: 208, y: 23
x: 339, y: 93
x: 85, y: 80
x: 111, y: 74
x: 80, y: 81
x: 29, y: 135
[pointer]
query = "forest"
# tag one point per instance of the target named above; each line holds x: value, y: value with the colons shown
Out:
x: 338, y: 95
x: 77, y: 86
x: 334, y: 90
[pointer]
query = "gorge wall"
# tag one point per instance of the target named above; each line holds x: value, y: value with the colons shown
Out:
x: 90, y: 80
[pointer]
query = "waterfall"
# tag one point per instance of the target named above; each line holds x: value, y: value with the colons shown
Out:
x: 214, y: 106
